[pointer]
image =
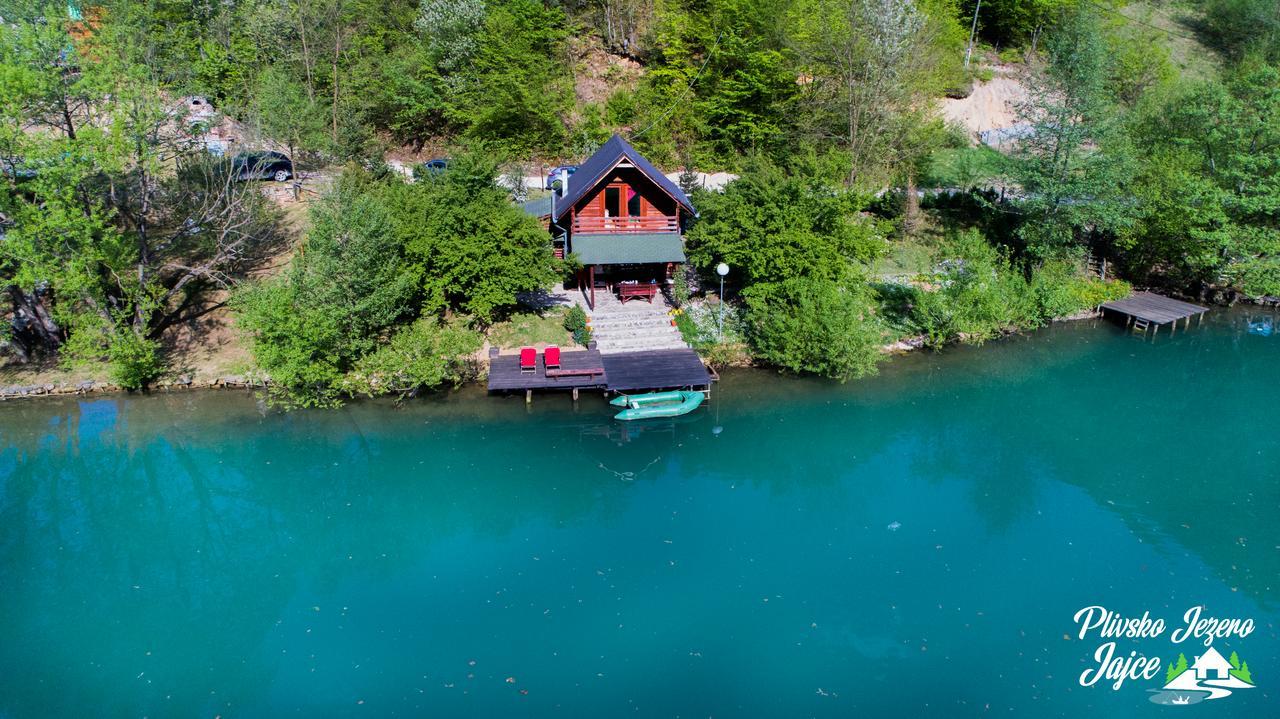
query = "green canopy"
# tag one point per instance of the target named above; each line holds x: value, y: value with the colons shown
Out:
x: 628, y: 248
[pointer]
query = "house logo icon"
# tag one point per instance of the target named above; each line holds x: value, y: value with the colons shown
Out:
x: 1210, y: 676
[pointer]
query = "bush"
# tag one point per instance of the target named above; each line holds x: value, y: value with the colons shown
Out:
x: 813, y: 325
x: 134, y: 360
x: 424, y: 355
x: 978, y: 295
x: 575, y: 321
x: 1061, y: 290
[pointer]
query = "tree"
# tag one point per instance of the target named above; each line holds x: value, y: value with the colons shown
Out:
x: 125, y: 224
x: 346, y: 288
x: 473, y: 250
x: 771, y: 226
x: 1071, y: 164
x: 866, y: 66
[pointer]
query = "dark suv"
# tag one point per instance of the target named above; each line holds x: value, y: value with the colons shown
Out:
x: 262, y: 166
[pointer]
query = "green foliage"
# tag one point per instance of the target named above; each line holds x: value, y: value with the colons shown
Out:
x: 974, y: 295
x: 1015, y: 22
x: 471, y: 247
x: 816, y: 325
x: 528, y: 328
x: 134, y: 360
x: 1243, y: 673
x: 1209, y: 186
x: 1060, y: 289
x: 963, y: 167
x: 1072, y: 163
x: 1242, y: 27
x: 575, y: 321
x: 770, y: 226
x: 423, y: 355
x: 348, y: 285
x: 360, y: 308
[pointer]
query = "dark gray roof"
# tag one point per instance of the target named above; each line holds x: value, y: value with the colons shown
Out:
x: 591, y: 172
x: 540, y: 207
x: 628, y: 248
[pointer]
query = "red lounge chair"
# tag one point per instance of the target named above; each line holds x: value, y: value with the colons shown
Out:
x: 528, y: 360
x: 551, y: 357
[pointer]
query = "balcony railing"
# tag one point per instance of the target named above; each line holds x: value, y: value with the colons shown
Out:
x: 625, y: 224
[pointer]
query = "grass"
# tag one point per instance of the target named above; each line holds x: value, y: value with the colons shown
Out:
x: 963, y: 167
x: 531, y: 328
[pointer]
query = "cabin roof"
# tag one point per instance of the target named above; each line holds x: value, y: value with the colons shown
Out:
x: 628, y: 248
x: 540, y: 207
x: 599, y: 165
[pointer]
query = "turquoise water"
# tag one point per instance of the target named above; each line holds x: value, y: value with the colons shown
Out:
x: 911, y: 545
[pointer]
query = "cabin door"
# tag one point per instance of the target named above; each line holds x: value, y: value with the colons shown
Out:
x: 621, y: 201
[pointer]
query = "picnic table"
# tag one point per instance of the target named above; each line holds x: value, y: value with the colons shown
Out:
x: 647, y: 290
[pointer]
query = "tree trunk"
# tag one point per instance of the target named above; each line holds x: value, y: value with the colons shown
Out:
x: 911, y: 207
x: 337, y: 51
x: 34, y: 330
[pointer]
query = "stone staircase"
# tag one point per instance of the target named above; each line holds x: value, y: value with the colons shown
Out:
x: 634, y: 326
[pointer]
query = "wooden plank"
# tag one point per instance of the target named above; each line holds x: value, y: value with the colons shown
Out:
x: 658, y: 369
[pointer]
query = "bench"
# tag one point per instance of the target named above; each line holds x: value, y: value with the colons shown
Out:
x: 645, y: 290
x: 579, y: 372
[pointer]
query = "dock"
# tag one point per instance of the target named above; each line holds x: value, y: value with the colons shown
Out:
x: 622, y: 372
x: 1144, y: 310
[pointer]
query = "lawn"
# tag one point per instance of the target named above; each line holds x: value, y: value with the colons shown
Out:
x: 531, y: 328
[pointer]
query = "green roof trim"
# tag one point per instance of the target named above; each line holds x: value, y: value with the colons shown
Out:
x: 628, y: 248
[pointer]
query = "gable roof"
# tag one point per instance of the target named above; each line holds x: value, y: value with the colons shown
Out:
x: 1211, y: 659
x: 591, y: 172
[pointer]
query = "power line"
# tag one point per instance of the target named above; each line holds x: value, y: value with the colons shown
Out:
x: 687, y: 88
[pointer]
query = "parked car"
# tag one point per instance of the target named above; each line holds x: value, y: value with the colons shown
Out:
x: 262, y: 166
x: 440, y: 164
x: 554, y: 175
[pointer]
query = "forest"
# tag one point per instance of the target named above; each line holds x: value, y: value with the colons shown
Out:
x: 1147, y: 134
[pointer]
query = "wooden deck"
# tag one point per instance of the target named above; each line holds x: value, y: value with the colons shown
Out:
x: 655, y: 369
x: 623, y: 372
x: 1144, y: 309
x: 505, y: 374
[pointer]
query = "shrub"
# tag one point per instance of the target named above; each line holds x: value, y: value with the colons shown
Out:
x: 978, y: 295
x: 134, y: 360
x: 424, y: 355
x: 1061, y: 290
x: 575, y: 321
x: 819, y: 326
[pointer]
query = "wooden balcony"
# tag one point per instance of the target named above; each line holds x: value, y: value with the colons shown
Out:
x: 587, y: 225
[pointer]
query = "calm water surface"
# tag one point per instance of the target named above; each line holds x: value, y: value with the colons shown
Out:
x: 910, y: 545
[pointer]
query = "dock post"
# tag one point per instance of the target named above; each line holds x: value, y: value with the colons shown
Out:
x: 575, y: 394
x: 528, y: 396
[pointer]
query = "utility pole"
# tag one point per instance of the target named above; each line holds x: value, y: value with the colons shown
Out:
x: 968, y: 53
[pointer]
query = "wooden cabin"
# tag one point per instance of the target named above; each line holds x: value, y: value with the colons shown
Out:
x: 622, y: 219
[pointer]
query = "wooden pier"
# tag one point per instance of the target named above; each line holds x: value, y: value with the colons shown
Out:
x: 1147, y: 310
x: 621, y: 372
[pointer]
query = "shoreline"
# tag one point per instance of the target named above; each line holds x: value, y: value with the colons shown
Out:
x: 185, y: 383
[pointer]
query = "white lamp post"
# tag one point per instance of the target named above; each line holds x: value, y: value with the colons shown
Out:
x: 721, y: 269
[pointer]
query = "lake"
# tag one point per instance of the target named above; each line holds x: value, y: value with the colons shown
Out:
x: 911, y: 545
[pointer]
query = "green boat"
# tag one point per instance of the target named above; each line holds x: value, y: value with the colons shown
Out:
x: 657, y: 404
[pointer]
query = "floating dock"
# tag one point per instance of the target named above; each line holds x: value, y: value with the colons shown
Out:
x: 621, y: 372
x: 1144, y: 310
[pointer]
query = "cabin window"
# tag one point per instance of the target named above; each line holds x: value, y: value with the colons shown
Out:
x: 633, y: 203
x: 612, y: 201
